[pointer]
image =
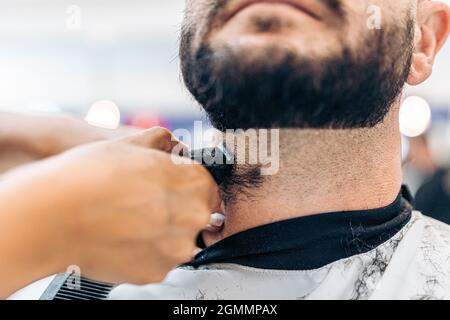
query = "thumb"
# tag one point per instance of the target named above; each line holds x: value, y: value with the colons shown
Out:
x: 157, y: 138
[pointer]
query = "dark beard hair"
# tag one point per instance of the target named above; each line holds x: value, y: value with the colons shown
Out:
x: 352, y: 90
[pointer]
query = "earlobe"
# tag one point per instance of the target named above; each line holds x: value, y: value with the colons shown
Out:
x: 433, y: 26
x: 421, y: 69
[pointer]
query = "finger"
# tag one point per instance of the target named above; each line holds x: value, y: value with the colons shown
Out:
x: 157, y: 138
x: 216, y: 223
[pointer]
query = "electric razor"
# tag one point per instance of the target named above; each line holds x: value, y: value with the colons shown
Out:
x: 219, y: 161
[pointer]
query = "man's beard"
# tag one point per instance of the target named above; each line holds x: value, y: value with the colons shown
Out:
x: 283, y: 90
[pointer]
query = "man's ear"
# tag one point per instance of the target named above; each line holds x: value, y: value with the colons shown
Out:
x: 432, y: 29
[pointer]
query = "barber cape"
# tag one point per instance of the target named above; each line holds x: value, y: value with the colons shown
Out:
x: 388, y: 253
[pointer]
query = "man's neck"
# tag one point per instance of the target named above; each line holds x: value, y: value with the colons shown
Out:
x: 323, y: 171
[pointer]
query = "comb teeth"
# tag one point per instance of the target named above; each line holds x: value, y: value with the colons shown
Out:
x: 70, y: 287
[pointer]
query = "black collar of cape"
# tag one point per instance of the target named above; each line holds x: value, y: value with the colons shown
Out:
x: 311, y: 242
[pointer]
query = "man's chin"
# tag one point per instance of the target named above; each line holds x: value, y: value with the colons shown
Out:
x: 270, y: 47
x: 255, y: 40
x: 254, y: 48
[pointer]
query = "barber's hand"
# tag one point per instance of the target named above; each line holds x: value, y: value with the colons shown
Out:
x: 121, y: 210
x: 28, y: 138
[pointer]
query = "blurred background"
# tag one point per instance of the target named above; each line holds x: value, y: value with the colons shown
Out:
x: 116, y: 61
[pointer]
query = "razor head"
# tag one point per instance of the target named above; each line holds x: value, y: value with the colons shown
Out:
x: 218, y: 161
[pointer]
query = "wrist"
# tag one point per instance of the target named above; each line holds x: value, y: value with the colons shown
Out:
x: 25, y: 255
x: 33, y: 227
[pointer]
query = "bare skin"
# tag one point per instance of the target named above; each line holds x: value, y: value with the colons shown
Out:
x: 320, y: 170
x: 121, y: 210
x: 352, y: 170
x: 28, y: 138
x: 361, y: 169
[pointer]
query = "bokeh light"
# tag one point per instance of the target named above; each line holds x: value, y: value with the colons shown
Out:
x: 415, y: 116
x: 104, y: 114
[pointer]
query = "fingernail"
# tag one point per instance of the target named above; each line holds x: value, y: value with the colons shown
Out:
x: 217, y: 220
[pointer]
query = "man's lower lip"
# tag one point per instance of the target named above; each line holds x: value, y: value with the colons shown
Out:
x: 284, y: 3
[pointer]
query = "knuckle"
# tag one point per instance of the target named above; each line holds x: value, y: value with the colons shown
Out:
x: 159, y: 130
x: 161, y: 133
